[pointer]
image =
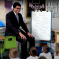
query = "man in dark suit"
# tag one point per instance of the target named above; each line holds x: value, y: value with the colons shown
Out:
x: 13, y: 21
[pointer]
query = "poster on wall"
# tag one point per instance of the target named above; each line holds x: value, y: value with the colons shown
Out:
x: 32, y: 5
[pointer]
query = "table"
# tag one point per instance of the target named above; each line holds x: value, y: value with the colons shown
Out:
x: 1, y: 38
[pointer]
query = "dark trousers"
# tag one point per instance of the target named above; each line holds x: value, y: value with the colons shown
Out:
x: 24, y: 44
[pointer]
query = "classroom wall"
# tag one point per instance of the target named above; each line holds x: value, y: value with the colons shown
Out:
x: 2, y: 11
x: 55, y: 21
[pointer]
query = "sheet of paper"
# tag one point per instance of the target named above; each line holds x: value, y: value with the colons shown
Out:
x: 49, y: 8
x: 53, y: 15
x: 54, y: 10
x: 48, y: 3
x: 58, y: 3
x: 55, y: 3
x: 41, y: 25
x: 58, y: 15
x: 52, y: 3
x: 58, y: 9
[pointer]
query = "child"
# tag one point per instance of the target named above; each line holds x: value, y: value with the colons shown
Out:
x: 33, y: 53
x: 46, y: 53
x: 57, y: 54
x: 13, y: 53
x: 42, y: 57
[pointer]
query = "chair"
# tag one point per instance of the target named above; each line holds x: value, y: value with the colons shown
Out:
x: 9, y: 42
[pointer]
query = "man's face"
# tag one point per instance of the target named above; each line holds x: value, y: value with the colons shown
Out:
x: 17, y: 9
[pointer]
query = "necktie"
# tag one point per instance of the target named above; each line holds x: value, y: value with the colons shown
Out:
x: 17, y: 18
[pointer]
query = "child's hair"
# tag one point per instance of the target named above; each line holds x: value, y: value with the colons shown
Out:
x: 42, y: 57
x: 13, y: 52
x: 57, y: 51
x: 33, y: 51
x: 46, y: 49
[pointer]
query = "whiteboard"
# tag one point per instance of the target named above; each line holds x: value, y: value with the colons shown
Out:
x: 41, y: 25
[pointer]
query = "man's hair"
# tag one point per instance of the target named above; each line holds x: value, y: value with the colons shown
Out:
x: 57, y: 51
x: 13, y: 52
x: 46, y: 49
x: 16, y: 4
x: 42, y: 57
x: 33, y: 51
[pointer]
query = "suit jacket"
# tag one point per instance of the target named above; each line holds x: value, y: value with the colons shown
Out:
x: 12, y: 25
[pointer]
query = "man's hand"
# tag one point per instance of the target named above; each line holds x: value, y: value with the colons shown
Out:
x: 22, y: 36
x: 30, y: 35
